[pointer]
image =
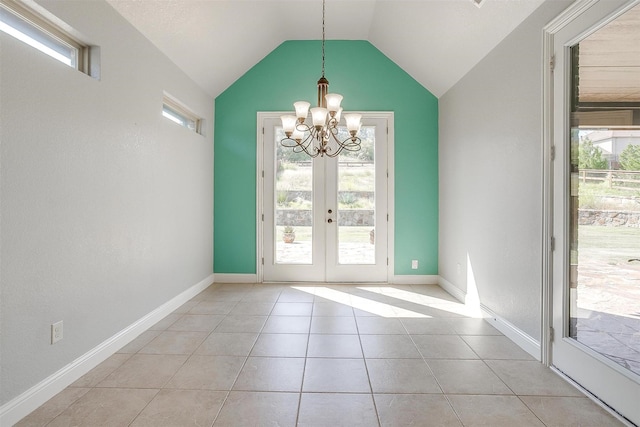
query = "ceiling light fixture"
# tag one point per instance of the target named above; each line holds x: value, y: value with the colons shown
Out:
x: 320, y: 138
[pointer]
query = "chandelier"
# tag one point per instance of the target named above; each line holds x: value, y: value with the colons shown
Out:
x: 320, y: 137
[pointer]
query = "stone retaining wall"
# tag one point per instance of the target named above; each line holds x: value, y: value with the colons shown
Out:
x: 609, y: 218
x: 348, y: 218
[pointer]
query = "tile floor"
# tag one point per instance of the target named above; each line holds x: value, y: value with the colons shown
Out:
x: 341, y: 355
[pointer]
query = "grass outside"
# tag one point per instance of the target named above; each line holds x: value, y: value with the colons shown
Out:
x: 600, y: 196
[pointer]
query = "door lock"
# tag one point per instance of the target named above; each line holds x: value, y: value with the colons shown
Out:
x: 329, y: 220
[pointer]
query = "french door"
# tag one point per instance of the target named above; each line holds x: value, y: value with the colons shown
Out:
x: 325, y: 219
x: 595, y: 316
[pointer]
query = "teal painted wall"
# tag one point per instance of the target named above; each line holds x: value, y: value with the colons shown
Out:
x: 369, y: 81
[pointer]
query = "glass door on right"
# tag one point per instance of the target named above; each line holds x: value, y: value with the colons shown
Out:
x: 596, y: 285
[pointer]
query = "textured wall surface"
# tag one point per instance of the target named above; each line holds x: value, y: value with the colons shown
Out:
x: 106, y: 206
x: 491, y: 176
x: 369, y: 81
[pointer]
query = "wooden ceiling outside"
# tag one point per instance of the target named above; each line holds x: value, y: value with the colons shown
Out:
x: 609, y: 61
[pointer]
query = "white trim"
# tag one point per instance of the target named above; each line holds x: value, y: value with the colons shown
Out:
x: 22, y: 405
x: 518, y: 336
x: 235, y: 278
x: 452, y: 289
x: 592, y: 397
x: 415, y: 280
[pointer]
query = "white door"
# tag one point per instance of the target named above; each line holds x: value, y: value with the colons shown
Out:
x: 596, y: 325
x: 325, y: 219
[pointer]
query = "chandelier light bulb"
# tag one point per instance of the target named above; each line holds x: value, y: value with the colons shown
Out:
x: 333, y: 102
x: 319, y: 115
x: 288, y: 124
x: 353, y: 122
x: 302, y: 109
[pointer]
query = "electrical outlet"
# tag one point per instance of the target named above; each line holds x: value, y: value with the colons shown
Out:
x: 56, y: 332
x: 414, y: 264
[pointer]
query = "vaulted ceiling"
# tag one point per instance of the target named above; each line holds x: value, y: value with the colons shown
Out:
x: 216, y: 41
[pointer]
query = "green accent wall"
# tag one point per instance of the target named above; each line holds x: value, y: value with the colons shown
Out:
x: 369, y: 81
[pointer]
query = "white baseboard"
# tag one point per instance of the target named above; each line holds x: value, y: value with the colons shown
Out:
x: 519, y: 337
x: 22, y: 405
x: 455, y: 292
x: 235, y: 278
x: 414, y: 280
x: 522, y: 339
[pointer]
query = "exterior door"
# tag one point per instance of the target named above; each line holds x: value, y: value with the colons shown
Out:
x: 325, y: 219
x: 595, y: 322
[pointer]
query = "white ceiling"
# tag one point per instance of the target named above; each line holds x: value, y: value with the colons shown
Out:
x: 217, y: 41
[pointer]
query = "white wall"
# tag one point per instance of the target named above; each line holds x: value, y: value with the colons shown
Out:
x: 106, y: 207
x: 490, y: 154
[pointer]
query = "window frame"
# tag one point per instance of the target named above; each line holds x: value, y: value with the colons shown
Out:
x: 43, y: 30
x: 181, y: 114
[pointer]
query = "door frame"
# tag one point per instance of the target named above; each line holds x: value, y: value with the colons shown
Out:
x: 554, y: 243
x: 260, y: 136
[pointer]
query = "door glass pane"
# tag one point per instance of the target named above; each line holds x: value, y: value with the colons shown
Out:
x: 604, y: 293
x: 356, y: 201
x: 293, y: 205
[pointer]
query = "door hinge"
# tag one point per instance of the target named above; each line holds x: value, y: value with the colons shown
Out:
x: 553, y: 152
x: 387, y: 217
x: 263, y: 261
x: 553, y: 243
x: 387, y: 261
x: 263, y: 174
x: 552, y: 63
x: 262, y: 217
x: 551, y: 334
x: 263, y: 130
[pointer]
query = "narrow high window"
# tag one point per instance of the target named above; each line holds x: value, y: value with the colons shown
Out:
x: 179, y: 114
x: 38, y: 32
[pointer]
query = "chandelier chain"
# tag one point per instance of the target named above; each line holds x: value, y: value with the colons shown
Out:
x: 323, y: 38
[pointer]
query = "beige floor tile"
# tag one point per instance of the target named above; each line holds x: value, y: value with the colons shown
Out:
x: 174, y: 342
x: 443, y: 347
x: 213, y: 307
x: 294, y: 295
x: 271, y: 374
x: 415, y: 410
x: 401, y: 376
x: 181, y: 408
x: 531, y: 378
x: 494, y: 411
x: 52, y: 408
x: 241, y: 324
x: 281, y: 345
x: 165, y: 322
x: 333, y: 409
x: 470, y: 326
x: 496, y: 347
x: 336, y: 375
x: 184, y: 308
x: 221, y: 295
x: 105, y: 407
x: 292, y: 309
x: 333, y: 325
x: 207, y: 373
x: 324, y: 345
x: 252, y: 309
x: 100, y: 372
x: 389, y: 346
x: 196, y: 323
x: 379, y: 325
x: 334, y: 309
x: 243, y: 408
x: 287, y: 325
x: 228, y: 344
x: 467, y: 377
x: 144, y: 371
x: 143, y: 339
x: 262, y: 295
x: 569, y: 412
x: 427, y: 326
